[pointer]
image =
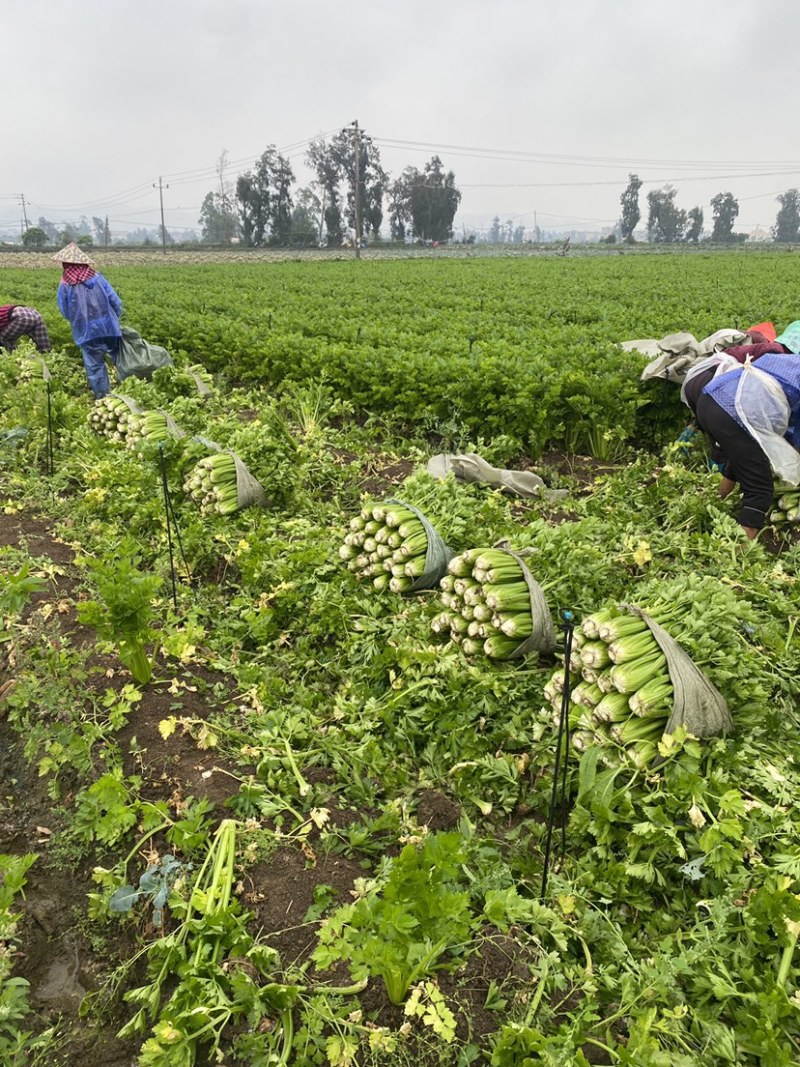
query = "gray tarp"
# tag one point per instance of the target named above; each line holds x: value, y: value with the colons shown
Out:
x: 677, y: 352
x: 470, y: 467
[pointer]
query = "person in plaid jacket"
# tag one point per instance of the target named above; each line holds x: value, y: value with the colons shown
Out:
x: 17, y: 321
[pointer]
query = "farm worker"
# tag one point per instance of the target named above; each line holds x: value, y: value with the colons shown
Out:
x: 92, y: 309
x: 753, y: 413
x: 16, y: 321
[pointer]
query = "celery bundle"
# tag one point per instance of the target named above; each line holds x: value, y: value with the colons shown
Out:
x: 787, y: 504
x: 32, y: 368
x: 487, y: 603
x: 111, y: 417
x: 212, y: 483
x: 621, y: 695
x: 387, y: 544
x: 147, y: 426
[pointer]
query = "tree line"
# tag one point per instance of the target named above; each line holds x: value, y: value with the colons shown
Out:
x: 669, y: 224
x: 347, y: 198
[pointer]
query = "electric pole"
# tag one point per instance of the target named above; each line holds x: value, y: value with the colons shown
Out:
x: 161, y: 189
x: 26, y: 224
x: 356, y: 186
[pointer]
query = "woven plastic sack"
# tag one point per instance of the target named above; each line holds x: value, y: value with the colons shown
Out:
x: 543, y: 635
x: 138, y: 357
x: 437, y: 554
x: 698, y: 705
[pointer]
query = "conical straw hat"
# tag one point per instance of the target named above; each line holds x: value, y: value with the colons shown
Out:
x: 72, y: 254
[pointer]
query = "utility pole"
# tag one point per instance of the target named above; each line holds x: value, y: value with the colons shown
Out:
x: 106, y: 233
x: 356, y: 186
x: 161, y: 189
x: 26, y: 224
x: 322, y: 215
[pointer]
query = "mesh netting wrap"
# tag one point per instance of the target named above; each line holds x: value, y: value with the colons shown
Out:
x: 543, y: 635
x: 248, y: 489
x: 172, y: 427
x: 212, y: 446
x: 129, y: 402
x: 203, y: 388
x: 697, y: 704
x: 437, y: 554
x: 37, y: 362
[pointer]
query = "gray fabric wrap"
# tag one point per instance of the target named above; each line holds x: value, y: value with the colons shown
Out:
x: 698, y: 705
x: 248, y: 489
x: 437, y: 554
x: 543, y: 635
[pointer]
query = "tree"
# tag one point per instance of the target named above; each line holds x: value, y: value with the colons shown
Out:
x: 334, y: 164
x: 305, y: 218
x: 694, y: 228
x: 787, y: 222
x: 218, y: 212
x: 34, y: 237
x: 399, y: 197
x: 50, y: 229
x: 630, y: 207
x: 665, y: 222
x: 85, y: 240
x: 494, y: 232
x: 322, y: 160
x: 724, y: 208
x: 434, y: 202
x: 265, y: 201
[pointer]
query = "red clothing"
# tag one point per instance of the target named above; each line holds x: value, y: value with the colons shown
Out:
x: 5, y: 314
x: 755, y: 351
x: 75, y: 273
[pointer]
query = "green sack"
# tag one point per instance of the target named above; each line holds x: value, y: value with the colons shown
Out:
x: 137, y: 357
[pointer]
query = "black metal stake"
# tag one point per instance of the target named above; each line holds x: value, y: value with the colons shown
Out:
x: 559, y: 772
x: 50, y: 460
x: 167, y: 509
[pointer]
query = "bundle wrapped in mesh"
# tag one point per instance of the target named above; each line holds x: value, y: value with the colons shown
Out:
x: 33, y: 369
x: 394, y: 546
x: 151, y: 426
x: 493, y: 605
x: 112, y: 415
x: 221, y: 483
x: 631, y: 683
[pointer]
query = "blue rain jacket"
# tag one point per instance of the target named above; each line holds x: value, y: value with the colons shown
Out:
x: 92, y: 308
x: 785, y: 370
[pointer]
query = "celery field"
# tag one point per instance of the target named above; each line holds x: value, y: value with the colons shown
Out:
x: 267, y: 802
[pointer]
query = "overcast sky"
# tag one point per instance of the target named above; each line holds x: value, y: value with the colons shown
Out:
x: 537, y: 105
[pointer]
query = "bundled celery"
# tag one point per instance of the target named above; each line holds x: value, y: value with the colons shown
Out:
x: 213, y: 484
x: 112, y: 416
x: 630, y: 681
x: 390, y: 545
x: 152, y: 426
x: 490, y: 605
x: 622, y: 682
x: 787, y: 504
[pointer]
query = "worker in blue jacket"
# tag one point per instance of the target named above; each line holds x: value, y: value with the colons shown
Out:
x: 92, y: 308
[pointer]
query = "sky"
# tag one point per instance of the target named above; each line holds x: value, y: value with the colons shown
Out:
x: 541, y: 108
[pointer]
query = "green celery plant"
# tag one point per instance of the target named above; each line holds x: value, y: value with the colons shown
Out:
x: 124, y: 612
x: 401, y: 931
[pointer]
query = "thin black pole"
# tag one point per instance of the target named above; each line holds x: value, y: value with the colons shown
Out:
x: 50, y: 460
x: 169, y: 524
x: 562, y: 739
x: 569, y: 627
